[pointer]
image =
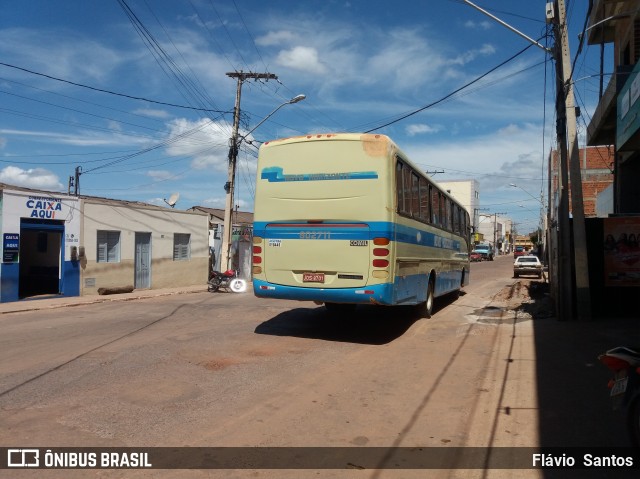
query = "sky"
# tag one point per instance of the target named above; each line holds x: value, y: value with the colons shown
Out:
x: 136, y: 93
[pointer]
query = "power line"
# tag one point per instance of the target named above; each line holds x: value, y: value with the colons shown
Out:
x: 403, y: 117
x: 110, y: 92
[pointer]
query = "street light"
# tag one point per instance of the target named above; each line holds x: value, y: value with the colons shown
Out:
x: 236, y: 140
x: 535, y: 198
x: 295, y: 99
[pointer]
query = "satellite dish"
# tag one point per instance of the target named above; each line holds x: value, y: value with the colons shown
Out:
x: 173, y: 199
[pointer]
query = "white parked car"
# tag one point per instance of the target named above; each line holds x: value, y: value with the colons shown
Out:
x: 527, y: 265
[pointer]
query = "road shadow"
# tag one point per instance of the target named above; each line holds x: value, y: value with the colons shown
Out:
x: 375, y: 325
x: 573, y: 397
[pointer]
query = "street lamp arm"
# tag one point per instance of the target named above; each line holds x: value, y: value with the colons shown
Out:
x: 295, y: 99
x: 535, y: 198
x: 504, y: 24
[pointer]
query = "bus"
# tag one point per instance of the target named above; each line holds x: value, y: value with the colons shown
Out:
x: 346, y: 219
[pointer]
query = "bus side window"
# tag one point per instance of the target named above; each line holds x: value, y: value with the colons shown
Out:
x: 415, y: 195
x: 425, y: 194
x: 448, y: 224
x: 435, y: 206
x: 399, y: 187
x: 406, y: 175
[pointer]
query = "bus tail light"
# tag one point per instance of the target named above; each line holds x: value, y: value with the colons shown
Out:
x: 257, y: 255
x: 379, y: 253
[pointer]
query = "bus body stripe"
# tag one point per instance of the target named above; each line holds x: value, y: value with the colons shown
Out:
x: 349, y: 231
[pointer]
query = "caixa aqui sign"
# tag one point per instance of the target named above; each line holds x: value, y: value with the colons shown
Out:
x: 43, y: 208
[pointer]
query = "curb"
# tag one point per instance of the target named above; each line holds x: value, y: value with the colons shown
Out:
x: 58, y: 303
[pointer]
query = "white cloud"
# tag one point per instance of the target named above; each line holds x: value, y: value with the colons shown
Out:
x: 79, y: 139
x: 303, y: 59
x: 276, y: 38
x: 31, y: 178
x: 160, y: 174
x: 206, y: 141
x: 418, y: 129
x: 468, y: 56
x: 483, y: 25
x: 507, y: 155
x: 75, y: 57
x: 152, y: 113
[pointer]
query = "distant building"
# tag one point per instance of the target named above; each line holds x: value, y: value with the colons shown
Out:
x: 467, y: 193
x: 495, y: 230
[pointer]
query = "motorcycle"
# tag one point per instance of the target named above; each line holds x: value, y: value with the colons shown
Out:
x: 624, y: 362
x: 228, y: 280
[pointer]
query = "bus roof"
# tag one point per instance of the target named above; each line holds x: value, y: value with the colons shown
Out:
x: 330, y: 136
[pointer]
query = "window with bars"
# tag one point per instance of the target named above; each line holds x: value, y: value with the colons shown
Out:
x: 181, y: 247
x: 108, y: 246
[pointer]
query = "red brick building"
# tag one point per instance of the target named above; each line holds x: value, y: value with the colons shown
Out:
x: 596, y: 164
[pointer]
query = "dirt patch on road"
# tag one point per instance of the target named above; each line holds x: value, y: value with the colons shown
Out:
x: 529, y: 299
x: 521, y: 301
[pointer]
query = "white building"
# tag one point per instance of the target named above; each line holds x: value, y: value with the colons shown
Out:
x: 467, y: 193
x: 65, y: 245
x: 496, y: 230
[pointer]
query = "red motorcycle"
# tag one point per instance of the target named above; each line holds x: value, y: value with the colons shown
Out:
x: 228, y: 280
x: 625, y: 386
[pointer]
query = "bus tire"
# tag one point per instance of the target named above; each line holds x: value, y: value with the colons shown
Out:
x: 425, y: 309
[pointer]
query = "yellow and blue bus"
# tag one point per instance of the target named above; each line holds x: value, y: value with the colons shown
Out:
x: 346, y: 219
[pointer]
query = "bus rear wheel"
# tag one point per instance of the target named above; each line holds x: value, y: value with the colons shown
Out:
x: 425, y: 309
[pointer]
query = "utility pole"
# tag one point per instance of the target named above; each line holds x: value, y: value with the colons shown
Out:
x: 233, y: 155
x: 476, y: 222
x: 76, y: 183
x: 568, y: 142
x: 495, y: 230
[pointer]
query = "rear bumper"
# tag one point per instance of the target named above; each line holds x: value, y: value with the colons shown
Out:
x: 535, y: 271
x: 375, y: 294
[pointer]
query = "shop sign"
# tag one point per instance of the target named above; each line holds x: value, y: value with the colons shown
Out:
x: 243, y: 233
x: 10, y: 247
x: 628, y: 107
x: 43, y: 208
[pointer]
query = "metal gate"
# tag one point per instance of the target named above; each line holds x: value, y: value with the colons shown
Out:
x: 143, y: 261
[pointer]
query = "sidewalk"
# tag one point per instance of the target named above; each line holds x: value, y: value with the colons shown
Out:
x: 58, y: 301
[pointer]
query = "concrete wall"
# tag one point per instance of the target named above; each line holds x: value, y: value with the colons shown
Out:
x: 162, y: 223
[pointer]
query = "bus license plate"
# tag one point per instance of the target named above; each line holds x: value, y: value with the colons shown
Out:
x: 313, y: 277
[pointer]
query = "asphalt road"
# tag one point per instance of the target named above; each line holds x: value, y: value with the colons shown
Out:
x: 223, y: 369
